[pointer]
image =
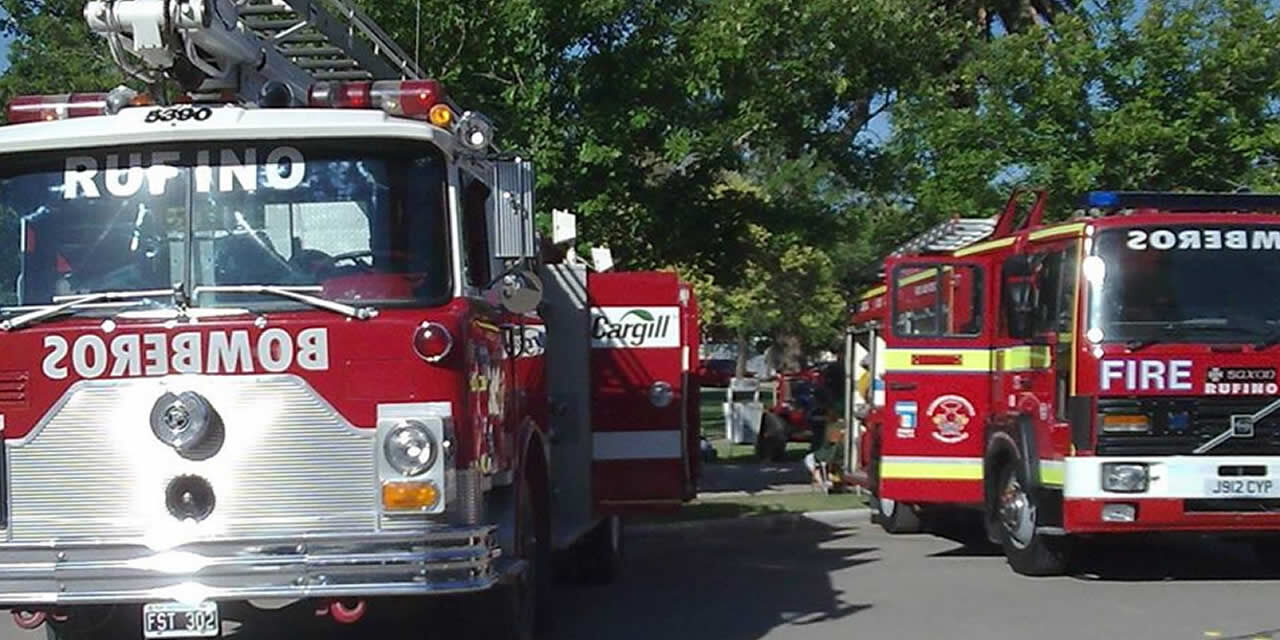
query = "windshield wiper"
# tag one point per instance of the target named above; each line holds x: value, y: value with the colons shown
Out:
x: 1267, y: 340
x: 1181, y: 329
x: 32, y: 317
x: 294, y: 293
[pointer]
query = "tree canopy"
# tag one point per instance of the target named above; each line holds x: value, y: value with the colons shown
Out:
x: 727, y: 139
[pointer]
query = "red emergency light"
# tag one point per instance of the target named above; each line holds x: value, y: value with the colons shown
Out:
x: 421, y: 99
x: 25, y: 109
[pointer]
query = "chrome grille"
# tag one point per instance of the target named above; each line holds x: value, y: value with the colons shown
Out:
x: 1206, y: 417
x: 289, y: 465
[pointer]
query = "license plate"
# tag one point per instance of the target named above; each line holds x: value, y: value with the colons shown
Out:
x: 177, y: 620
x: 1242, y: 487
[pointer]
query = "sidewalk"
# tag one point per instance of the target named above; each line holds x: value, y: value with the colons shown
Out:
x: 732, y: 480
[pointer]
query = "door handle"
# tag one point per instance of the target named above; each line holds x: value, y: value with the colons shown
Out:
x: 902, y: 386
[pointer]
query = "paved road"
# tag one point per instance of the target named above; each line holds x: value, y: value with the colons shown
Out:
x: 815, y: 581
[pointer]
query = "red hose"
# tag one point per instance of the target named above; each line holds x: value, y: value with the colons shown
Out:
x: 347, y: 615
x: 29, y: 620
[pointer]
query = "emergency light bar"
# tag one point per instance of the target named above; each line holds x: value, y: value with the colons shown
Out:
x: 24, y: 109
x: 1173, y: 202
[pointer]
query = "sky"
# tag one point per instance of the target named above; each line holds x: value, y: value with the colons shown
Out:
x: 4, y: 47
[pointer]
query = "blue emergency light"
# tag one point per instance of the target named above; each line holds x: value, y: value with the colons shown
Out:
x: 1182, y: 202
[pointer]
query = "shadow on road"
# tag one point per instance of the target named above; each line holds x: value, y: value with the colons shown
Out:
x: 731, y: 586
x: 1148, y: 558
x: 726, y: 584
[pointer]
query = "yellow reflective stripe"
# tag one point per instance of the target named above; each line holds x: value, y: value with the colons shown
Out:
x: 1074, y: 229
x: 487, y: 327
x: 878, y: 291
x: 985, y: 246
x: 1053, y: 472
x: 931, y: 468
x: 1023, y: 358
x: 937, y: 359
x: 917, y: 277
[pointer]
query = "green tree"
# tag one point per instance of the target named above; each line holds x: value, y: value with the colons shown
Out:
x: 53, y: 51
x: 1181, y: 98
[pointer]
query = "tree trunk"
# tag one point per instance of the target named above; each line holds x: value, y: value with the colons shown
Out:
x: 788, y: 353
x: 741, y: 369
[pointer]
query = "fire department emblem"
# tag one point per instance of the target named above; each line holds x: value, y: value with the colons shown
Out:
x: 1216, y: 375
x: 951, y: 414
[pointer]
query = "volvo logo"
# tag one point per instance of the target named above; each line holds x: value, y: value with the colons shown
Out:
x: 183, y: 421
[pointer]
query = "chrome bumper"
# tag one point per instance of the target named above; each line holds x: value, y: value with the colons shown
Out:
x: 447, y: 560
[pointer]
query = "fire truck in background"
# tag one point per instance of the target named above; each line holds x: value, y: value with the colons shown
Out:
x: 1114, y: 373
x: 290, y: 340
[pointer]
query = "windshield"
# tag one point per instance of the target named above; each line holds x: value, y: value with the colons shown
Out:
x: 1162, y: 282
x: 345, y: 223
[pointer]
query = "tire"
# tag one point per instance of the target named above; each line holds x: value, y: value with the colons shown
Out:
x: 598, y: 557
x: 1028, y: 552
x: 771, y: 443
x: 893, y: 516
x: 896, y: 517
x: 520, y: 609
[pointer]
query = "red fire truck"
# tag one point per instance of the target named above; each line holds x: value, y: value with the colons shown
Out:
x: 1114, y: 373
x: 290, y: 341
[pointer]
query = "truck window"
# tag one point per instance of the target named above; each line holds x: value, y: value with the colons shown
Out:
x: 475, y: 230
x: 937, y: 301
x: 360, y: 225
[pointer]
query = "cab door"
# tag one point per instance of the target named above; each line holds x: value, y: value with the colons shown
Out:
x: 938, y: 367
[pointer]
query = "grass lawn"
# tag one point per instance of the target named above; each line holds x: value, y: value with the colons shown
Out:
x: 754, y: 506
x: 712, y: 411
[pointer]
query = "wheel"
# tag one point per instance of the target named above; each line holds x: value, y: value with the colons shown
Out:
x: 1028, y: 552
x: 771, y: 443
x: 597, y: 558
x: 894, y: 517
x: 519, y: 609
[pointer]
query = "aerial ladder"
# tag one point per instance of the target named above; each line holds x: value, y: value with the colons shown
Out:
x: 259, y: 51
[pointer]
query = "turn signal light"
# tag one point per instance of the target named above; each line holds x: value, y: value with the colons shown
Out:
x: 410, y: 496
x: 1125, y: 423
x: 432, y: 341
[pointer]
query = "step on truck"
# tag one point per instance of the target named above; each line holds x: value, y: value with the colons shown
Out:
x: 289, y: 339
x: 1113, y: 373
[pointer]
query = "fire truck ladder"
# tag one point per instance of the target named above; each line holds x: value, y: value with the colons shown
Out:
x: 947, y: 236
x: 216, y: 46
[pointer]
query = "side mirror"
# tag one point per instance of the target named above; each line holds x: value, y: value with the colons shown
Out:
x: 511, y: 232
x: 520, y: 291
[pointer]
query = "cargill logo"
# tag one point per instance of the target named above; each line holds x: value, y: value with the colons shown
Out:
x: 635, y: 328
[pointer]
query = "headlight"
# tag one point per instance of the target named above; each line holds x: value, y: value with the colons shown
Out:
x: 660, y: 394
x: 411, y: 449
x: 1124, y: 477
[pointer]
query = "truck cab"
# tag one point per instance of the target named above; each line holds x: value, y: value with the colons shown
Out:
x: 304, y: 348
x: 1106, y: 374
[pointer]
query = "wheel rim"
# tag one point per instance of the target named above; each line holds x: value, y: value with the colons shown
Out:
x: 1017, y: 513
x: 888, y: 507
